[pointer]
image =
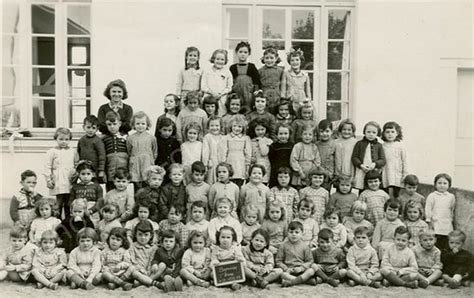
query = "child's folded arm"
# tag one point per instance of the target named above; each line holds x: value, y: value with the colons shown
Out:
x: 351, y: 262
x: 374, y: 262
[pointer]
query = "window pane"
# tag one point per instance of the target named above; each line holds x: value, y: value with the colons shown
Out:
x: 278, y: 45
x: 273, y: 23
x: 42, y: 50
x: 11, y: 112
x: 78, y: 19
x: 303, y: 24
x: 311, y: 78
x: 333, y: 111
x: 339, y: 24
x: 78, y: 51
x: 42, y: 18
x: 79, y: 83
x: 10, y: 16
x: 44, y: 82
x: 78, y: 110
x: 307, y: 48
x: 338, y: 55
x: 231, y: 51
x: 10, y: 84
x: 10, y: 50
x: 338, y: 86
x: 237, y: 22
x: 44, y: 112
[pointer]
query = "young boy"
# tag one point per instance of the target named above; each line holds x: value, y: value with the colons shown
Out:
x: 383, y: 232
x: 198, y: 190
x: 362, y: 260
x: 197, y: 219
x: 22, y: 205
x: 409, y: 193
x: 329, y: 260
x: 175, y: 215
x: 428, y: 257
x: 286, y: 194
x: 357, y: 219
x: 115, y: 147
x: 310, y: 225
x: 120, y: 195
x: 294, y: 257
x: 16, y: 262
x: 91, y: 147
x: 173, y: 192
x: 152, y: 191
x: 457, y: 262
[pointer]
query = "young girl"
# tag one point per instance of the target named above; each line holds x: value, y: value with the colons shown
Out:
x: 43, y: 222
x: 198, y: 190
x: 251, y: 222
x: 142, y: 211
x: 275, y: 225
x: 226, y: 248
x: 259, y: 111
x: 295, y: 84
x: 356, y: 219
x: 439, y: 210
x: 304, y: 157
x: 223, y: 209
x: 169, y: 150
x: 59, y: 168
x: 218, y: 80
x: 245, y: 74
x: 396, y: 167
x: 412, y: 215
x: 141, y: 253
x: 304, y: 118
x: 223, y: 188
x: 212, y: 153
x: 332, y: 221
x: 238, y: 149
x: 172, y: 108
x: 383, y: 232
x: 270, y: 77
x: 310, y: 226
x: 374, y: 197
x: 260, y: 266
x: 344, y: 147
x: 234, y: 107
x: 191, y: 113
x: 280, y: 152
x: 121, y: 196
x: 196, y: 261
x: 16, y: 262
x: 197, y: 218
x: 343, y: 198
x: 142, y: 149
x: 173, y: 192
x: 368, y: 154
x: 255, y: 192
x: 282, y: 113
x: 316, y: 193
x: 49, y: 262
x: 258, y: 130
x: 189, y: 78
x: 84, y: 261
x: 327, y: 149
x: 116, y: 261
x: 210, y: 106
x: 191, y: 149
x: 110, y: 220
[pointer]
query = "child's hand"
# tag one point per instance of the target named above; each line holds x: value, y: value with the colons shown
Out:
x: 302, y: 175
x: 365, y: 168
x: 372, y: 166
x: 50, y: 184
x: 198, y: 274
x: 257, y: 91
x: 101, y: 174
x: 455, y: 250
x: 369, y: 276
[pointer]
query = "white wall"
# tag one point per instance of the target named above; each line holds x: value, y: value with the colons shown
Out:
x: 398, y: 75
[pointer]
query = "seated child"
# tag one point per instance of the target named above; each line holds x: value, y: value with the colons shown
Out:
x: 175, y: 215
x: 22, y: 205
x: 356, y: 220
x: 259, y: 260
x: 362, y: 260
x: 329, y: 260
x: 197, y: 219
x: 332, y: 221
x: 198, y: 190
x: 142, y: 251
x: 227, y: 248
x: 196, y: 260
x: 109, y: 221
x: 16, y: 262
x: 457, y: 262
x: 294, y: 257
x: 428, y: 258
x: 255, y: 192
x: 152, y: 191
x: 224, y: 218
x: 251, y: 222
x: 84, y: 261
x: 166, y: 264
x: 286, y: 194
x: 275, y: 225
x: 383, y: 232
x: 414, y: 222
x: 344, y: 197
x: 310, y: 225
x: 399, y: 267
x: 409, y: 193
x: 142, y: 211
x: 44, y: 221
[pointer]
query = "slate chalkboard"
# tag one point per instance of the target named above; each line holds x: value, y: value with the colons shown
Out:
x: 227, y: 273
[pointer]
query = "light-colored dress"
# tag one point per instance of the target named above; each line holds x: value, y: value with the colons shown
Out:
x: 255, y: 194
x: 112, y: 258
x: 288, y: 197
x: 60, y: 166
x: 40, y: 225
x: 212, y: 154
x: 22, y: 259
x: 190, y: 152
x: 142, y: 150
x: 396, y: 167
x: 228, y: 190
x: 270, y: 78
x: 320, y: 198
x: 296, y: 87
x: 85, y: 263
x: 439, y: 210
x: 304, y: 157
x: 343, y: 162
x: 187, y: 116
x: 260, y: 149
x: 238, y: 149
x: 375, y: 201
x: 189, y: 79
x: 55, y: 261
x: 217, y: 81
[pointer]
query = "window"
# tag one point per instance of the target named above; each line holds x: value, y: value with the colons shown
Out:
x: 322, y: 32
x: 46, y: 63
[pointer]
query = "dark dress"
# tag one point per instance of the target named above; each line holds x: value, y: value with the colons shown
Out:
x: 68, y: 229
x: 125, y: 113
x: 246, y: 81
x: 279, y: 156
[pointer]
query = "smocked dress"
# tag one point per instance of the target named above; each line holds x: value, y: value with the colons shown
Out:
x: 344, y: 166
x: 270, y: 79
x: 191, y: 152
x: 396, y: 167
x: 246, y: 81
x: 260, y: 150
x: 296, y: 87
x: 212, y: 154
x: 304, y: 157
x: 142, y: 149
x: 238, y: 153
x: 217, y: 81
x: 60, y: 167
x: 189, y: 79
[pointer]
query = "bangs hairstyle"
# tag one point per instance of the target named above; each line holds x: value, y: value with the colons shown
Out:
x: 91, y: 119
x: 393, y: 125
x: 260, y: 95
x: 374, y: 124
x: 271, y: 51
x: 198, y: 167
x: 121, y: 173
x: 177, y: 101
x: 169, y: 234
x: 249, y: 209
x: 295, y: 225
x: 299, y: 113
x: 175, y: 166
x: 144, y: 226
x: 411, y: 180
x: 413, y: 204
x: 427, y: 233
x: 224, y: 228
x: 218, y: 51
x: 344, y: 123
x: 239, y: 120
x: 258, y: 122
x: 226, y: 165
x: 120, y: 233
x: 359, y: 206
x: 210, y: 100
x: 214, y: 118
x: 394, y: 204
x: 457, y: 234
x: 318, y: 171
x: 363, y: 230
x: 188, y: 51
x: 257, y: 166
x: 109, y: 208
x: 325, y: 234
x: 178, y: 209
x: 50, y: 235
x: 283, y: 170
x: 145, y: 204
x: 198, y: 204
x: 62, y: 131
x: 112, y: 116
x: 233, y: 96
x: 19, y: 232
x: 79, y: 204
x: 276, y: 204
x: 87, y: 233
x: 196, y: 234
x: 44, y: 202
x: 445, y: 176
x: 372, y: 174
x: 154, y: 170
x: 224, y: 200
x: 325, y: 124
x: 243, y: 44
x: 295, y: 53
x: 343, y: 179
x: 165, y: 122
x: 283, y: 102
x: 265, y: 236
x: 85, y: 165
x: 116, y: 83
x: 193, y: 95
x: 402, y: 230
x: 332, y: 210
x: 140, y: 115
x: 306, y: 203
x: 27, y: 173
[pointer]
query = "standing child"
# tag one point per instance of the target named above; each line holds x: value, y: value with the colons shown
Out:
x: 280, y: 152
x: 59, y: 169
x: 210, y: 106
x: 343, y: 198
x: 224, y: 207
x: 22, y: 204
x: 275, y: 225
x: 439, y: 210
x: 234, y: 107
x: 142, y: 211
x: 151, y: 193
x: 304, y: 158
x: 223, y: 188
x: 260, y: 266
x: 457, y: 262
x: 197, y: 218
x: 110, y: 220
x: 285, y: 194
x: 295, y: 84
x: 226, y: 248
x: 304, y: 118
x: 413, y: 221
x: 173, y: 192
x: 174, y: 223
x: 142, y: 149
x: 357, y: 219
x: 237, y: 148
x: 84, y: 261
x: 270, y: 77
x: 120, y: 195
x: 191, y: 149
x: 396, y: 167
x: 368, y: 154
x: 245, y: 75
x: 428, y: 258
x: 172, y: 104
x: 141, y: 253
x: 191, y: 113
x: 90, y: 146
x: 282, y: 113
x: 258, y: 131
x: 251, y: 218
x: 344, y: 147
x: 196, y: 261
x: 409, y: 193
x: 212, y: 153
x: 374, y: 197
x: 218, y: 80
x: 16, y: 262
x: 43, y: 222
x: 327, y: 151
x: 198, y: 190
x: 189, y: 78
x: 316, y: 193
x: 310, y: 226
x: 255, y: 192
x: 332, y: 221
x: 169, y: 150
x: 49, y: 262
x: 259, y: 111
x: 384, y: 229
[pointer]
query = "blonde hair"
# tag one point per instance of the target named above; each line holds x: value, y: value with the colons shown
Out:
x: 240, y: 120
x: 249, y: 209
x: 140, y: 115
x: 358, y: 205
x: 154, y: 170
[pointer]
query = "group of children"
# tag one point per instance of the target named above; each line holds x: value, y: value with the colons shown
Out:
x: 226, y: 179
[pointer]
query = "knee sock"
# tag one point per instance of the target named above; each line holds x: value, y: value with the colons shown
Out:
x: 395, y: 280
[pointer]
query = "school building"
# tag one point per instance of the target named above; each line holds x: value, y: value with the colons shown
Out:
x: 406, y: 61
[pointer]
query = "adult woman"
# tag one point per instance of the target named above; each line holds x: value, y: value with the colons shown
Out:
x: 116, y: 92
